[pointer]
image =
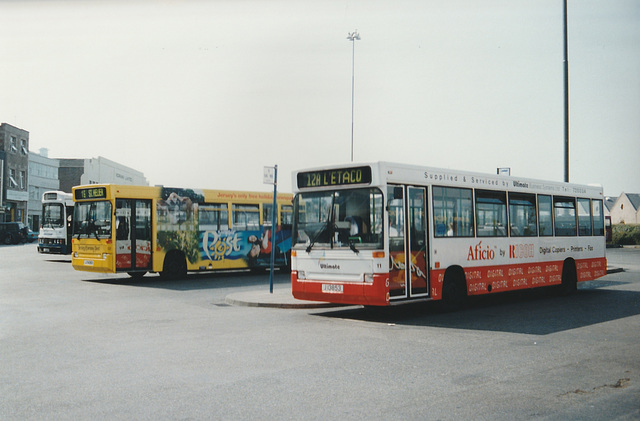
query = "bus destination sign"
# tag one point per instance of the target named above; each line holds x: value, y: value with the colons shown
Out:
x: 335, y: 177
x: 91, y: 193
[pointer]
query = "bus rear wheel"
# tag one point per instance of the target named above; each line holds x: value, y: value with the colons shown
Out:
x: 175, y: 266
x: 569, y: 278
x: 454, y: 290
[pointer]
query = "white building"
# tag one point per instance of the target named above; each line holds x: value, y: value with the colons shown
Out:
x: 75, y: 172
x: 43, y: 176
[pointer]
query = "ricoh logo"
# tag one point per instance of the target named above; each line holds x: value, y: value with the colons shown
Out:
x: 480, y: 252
x: 520, y: 251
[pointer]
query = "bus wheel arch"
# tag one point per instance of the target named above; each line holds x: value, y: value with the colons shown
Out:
x: 175, y: 265
x: 454, y: 289
x: 569, y: 277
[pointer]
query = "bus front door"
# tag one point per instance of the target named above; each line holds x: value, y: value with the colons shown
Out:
x: 408, y: 272
x: 133, y: 235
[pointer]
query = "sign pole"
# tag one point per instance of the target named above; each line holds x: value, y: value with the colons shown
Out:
x: 274, y: 213
x: 271, y: 177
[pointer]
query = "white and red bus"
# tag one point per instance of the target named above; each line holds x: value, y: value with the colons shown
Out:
x: 375, y: 234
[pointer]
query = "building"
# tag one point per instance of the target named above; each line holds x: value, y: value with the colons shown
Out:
x: 608, y: 204
x: 25, y: 176
x: 75, y: 172
x: 14, y: 173
x: 43, y: 176
x: 626, y: 209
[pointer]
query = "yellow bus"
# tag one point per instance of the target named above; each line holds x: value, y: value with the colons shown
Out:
x: 140, y: 229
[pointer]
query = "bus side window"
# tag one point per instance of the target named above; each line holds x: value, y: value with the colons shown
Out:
x: 246, y: 217
x: 564, y: 216
x: 453, y: 212
x: 598, y: 217
x: 545, y: 220
x: 584, y: 217
x: 522, y: 215
x: 213, y: 217
x: 491, y: 213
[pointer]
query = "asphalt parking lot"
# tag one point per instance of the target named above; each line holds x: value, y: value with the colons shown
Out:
x: 85, y: 346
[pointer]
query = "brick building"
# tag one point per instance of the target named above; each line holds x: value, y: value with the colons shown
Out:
x: 14, y: 173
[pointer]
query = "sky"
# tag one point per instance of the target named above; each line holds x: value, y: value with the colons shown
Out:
x: 205, y: 94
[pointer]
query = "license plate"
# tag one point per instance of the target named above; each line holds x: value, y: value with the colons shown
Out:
x: 88, y: 262
x: 332, y: 288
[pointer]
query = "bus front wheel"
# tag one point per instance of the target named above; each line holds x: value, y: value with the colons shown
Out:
x: 175, y: 266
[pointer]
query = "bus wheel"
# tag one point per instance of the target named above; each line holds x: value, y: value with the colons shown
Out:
x: 175, y: 266
x: 454, y: 291
x: 137, y: 275
x: 569, y: 278
x: 7, y: 239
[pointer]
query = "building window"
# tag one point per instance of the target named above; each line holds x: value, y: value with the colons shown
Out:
x: 14, y: 144
x: 23, y: 180
x: 12, y: 178
x: 23, y: 146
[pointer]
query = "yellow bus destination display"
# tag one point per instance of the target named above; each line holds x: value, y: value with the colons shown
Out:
x: 335, y: 177
x: 91, y: 193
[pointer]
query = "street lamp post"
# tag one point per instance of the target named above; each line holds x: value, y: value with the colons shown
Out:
x: 566, y: 96
x: 353, y: 36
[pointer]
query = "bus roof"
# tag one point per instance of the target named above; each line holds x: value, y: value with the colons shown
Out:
x: 200, y: 195
x: 387, y: 172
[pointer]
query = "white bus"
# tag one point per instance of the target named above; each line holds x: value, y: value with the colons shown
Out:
x: 375, y: 234
x: 57, y: 223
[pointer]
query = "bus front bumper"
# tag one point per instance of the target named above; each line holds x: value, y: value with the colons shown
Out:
x: 374, y: 293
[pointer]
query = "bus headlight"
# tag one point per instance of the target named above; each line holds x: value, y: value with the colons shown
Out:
x: 75, y: 254
x: 104, y: 256
x: 368, y: 277
x: 302, y: 275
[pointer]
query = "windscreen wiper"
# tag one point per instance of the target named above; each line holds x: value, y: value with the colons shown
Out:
x: 326, y: 226
x: 315, y: 237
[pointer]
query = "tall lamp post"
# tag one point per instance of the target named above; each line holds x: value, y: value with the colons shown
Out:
x: 353, y: 36
x: 566, y: 96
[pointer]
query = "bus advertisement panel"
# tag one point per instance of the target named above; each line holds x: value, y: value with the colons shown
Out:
x: 176, y: 230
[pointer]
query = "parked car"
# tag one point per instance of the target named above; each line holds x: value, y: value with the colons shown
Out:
x: 13, y: 232
x: 31, y: 236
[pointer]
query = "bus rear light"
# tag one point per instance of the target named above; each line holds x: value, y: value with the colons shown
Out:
x: 378, y: 254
